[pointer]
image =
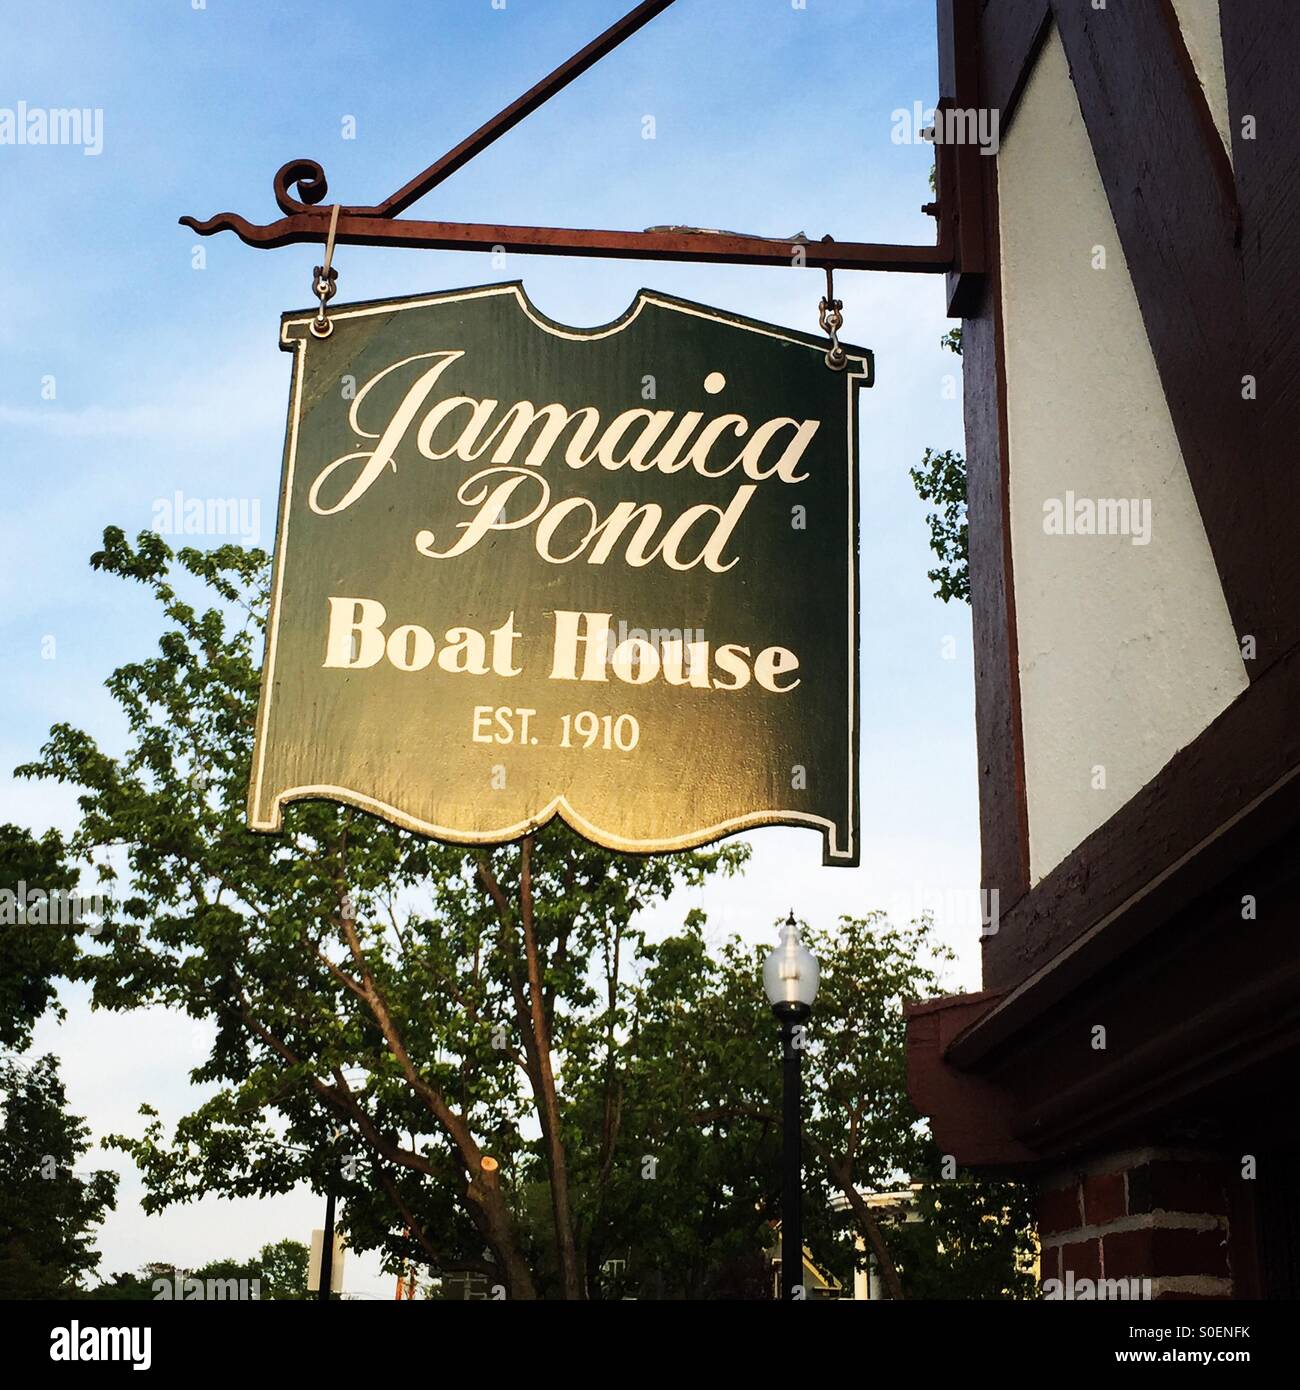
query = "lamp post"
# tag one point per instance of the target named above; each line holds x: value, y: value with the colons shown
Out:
x: 327, y: 1253
x: 790, y: 976
x: 354, y: 1078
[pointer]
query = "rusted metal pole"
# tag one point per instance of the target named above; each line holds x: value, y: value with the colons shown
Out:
x: 524, y: 106
x: 715, y: 247
x: 307, y: 221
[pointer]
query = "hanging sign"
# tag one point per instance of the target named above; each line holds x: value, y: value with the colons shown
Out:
x: 524, y: 570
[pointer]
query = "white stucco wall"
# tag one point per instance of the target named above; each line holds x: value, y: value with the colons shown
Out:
x: 1199, y: 22
x: 1126, y: 650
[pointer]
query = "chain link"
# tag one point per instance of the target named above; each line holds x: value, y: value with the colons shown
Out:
x: 831, y: 311
x: 323, y: 282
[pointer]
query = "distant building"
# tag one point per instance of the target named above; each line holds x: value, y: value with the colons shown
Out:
x: 462, y: 1287
x: 819, y: 1284
x: 887, y: 1207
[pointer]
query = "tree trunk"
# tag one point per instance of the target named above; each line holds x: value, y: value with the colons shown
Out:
x: 870, y: 1229
x: 484, y: 1199
x: 557, y: 1161
x: 484, y: 1195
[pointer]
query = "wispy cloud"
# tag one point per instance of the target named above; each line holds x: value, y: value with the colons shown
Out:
x: 240, y: 399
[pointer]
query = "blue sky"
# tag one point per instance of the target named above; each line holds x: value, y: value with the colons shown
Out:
x: 768, y: 118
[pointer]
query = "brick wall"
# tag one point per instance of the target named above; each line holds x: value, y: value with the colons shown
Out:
x: 1148, y: 1214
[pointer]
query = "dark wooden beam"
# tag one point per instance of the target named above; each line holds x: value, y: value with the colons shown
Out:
x: 1201, y: 1011
x: 960, y: 179
x: 1010, y: 34
x: 1163, y: 168
x: 1004, y: 822
x: 1261, y: 50
x: 1214, y: 801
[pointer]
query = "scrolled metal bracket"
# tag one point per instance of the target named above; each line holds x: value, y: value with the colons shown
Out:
x: 300, y: 187
x: 309, y: 179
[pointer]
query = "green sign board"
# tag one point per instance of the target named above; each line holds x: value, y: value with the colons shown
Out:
x: 524, y: 570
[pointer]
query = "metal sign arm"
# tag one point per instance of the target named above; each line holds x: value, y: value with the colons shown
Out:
x: 517, y: 110
x: 377, y: 225
x: 716, y: 247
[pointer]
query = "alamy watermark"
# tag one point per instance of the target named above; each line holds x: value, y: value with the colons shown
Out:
x: 1075, y: 1290
x: 21, y: 906
x: 46, y: 125
x: 660, y: 646
x: 179, y: 515
x: 72, y: 1342
x: 946, y: 125
x: 183, y: 1286
x: 966, y: 908
x: 1098, y: 516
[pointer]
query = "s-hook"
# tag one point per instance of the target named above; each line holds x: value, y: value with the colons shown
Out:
x: 324, y: 281
x: 831, y: 311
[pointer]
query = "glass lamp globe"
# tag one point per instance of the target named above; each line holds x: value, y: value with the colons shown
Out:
x: 790, y: 974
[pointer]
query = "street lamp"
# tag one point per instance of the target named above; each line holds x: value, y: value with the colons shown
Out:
x: 790, y: 976
x: 354, y: 1077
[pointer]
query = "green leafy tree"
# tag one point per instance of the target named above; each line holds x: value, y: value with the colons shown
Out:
x: 389, y: 1012
x: 687, y: 1140
x: 48, y: 1210
x: 282, y: 1267
x: 975, y: 1239
x: 279, y: 1270
x: 862, y: 1126
x: 941, y: 479
x: 479, y: 1052
x: 33, y: 955
x: 691, y: 1207
x: 128, y: 1288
